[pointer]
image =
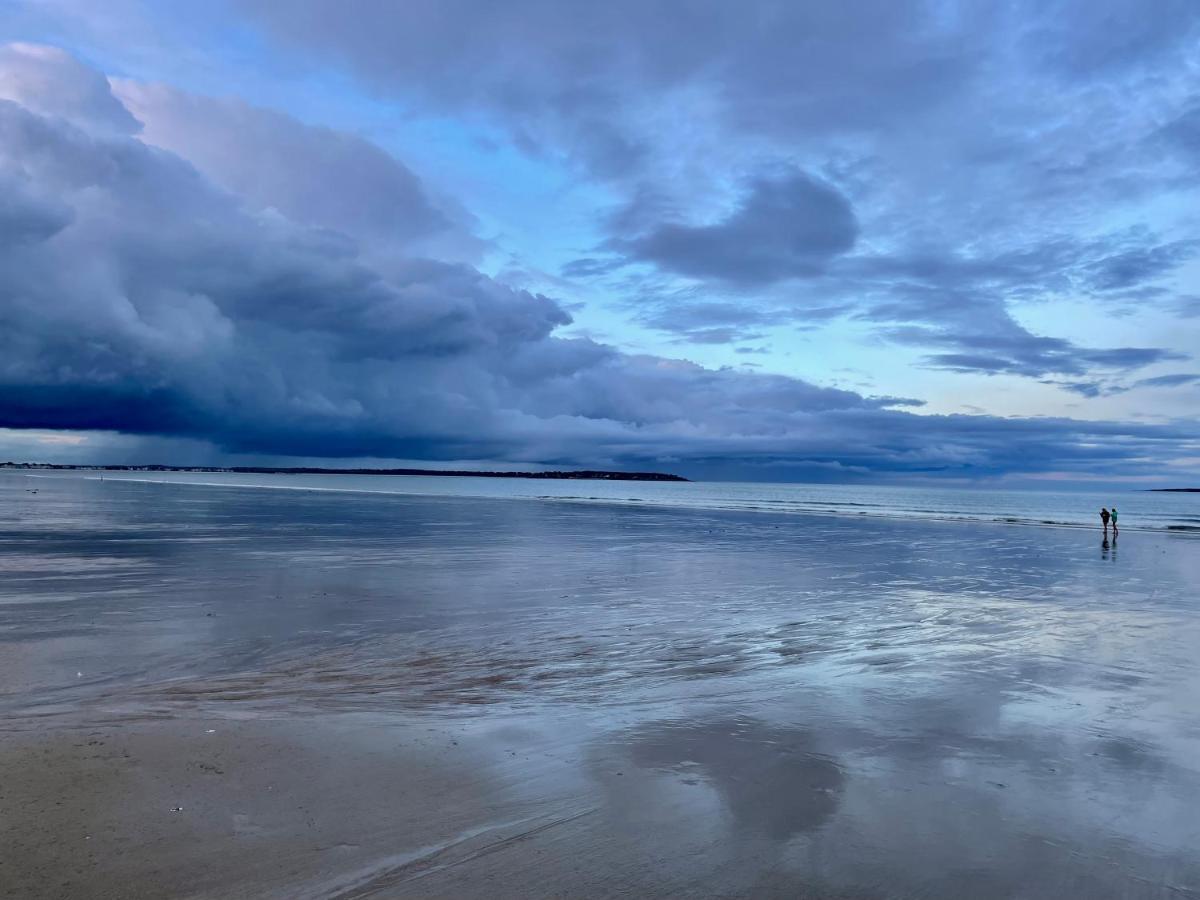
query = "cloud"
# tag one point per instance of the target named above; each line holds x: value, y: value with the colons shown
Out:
x: 1132, y: 267
x: 26, y: 215
x: 50, y: 81
x: 577, y: 74
x: 1187, y: 307
x: 1092, y: 389
x: 956, y: 306
x: 1184, y: 131
x: 899, y: 401
x: 784, y: 227
x: 1020, y: 353
x: 1078, y: 37
x: 1176, y: 380
x: 980, y: 147
x: 949, y: 97
x: 1088, y: 389
x: 149, y: 301
x: 707, y: 322
x: 313, y: 175
x: 958, y: 158
x: 957, y: 310
x: 953, y: 302
x: 141, y: 297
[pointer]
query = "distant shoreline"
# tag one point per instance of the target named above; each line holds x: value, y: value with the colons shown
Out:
x: 584, y: 475
x: 1173, y: 490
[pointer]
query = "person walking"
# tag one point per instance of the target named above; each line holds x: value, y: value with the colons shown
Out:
x: 1114, y: 521
x: 1104, y: 519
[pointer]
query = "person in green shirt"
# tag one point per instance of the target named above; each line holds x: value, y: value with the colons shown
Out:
x: 1114, y: 520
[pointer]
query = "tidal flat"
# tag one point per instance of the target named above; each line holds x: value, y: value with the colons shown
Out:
x: 222, y: 692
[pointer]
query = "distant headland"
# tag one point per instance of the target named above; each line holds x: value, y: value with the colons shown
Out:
x: 1174, y: 490
x: 587, y: 474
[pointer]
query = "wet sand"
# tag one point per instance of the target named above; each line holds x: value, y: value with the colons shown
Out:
x: 213, y: 692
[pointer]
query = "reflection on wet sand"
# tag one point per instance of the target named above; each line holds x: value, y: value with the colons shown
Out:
x: 769, y: 779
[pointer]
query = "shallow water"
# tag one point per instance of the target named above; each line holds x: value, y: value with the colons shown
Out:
x: 714, y: 700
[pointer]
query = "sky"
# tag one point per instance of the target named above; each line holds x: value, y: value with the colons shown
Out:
x: 831, y: 240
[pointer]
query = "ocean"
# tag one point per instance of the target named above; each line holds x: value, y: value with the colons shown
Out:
x: 1139, y: 510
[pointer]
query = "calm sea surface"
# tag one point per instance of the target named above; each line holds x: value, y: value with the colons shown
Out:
x: 1139, y: 510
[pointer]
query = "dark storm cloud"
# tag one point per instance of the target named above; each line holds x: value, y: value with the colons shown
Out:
x: 139, y: 297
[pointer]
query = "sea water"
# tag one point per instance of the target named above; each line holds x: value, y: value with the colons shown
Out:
x: 1139, y: 509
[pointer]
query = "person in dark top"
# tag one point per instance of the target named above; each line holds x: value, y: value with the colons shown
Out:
x: 1104, y: 518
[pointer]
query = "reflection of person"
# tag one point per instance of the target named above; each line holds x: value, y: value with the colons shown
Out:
x: 1114, y: 521
x: 1104, y: 518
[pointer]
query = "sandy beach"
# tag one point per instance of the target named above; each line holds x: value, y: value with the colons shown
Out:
x: 217, y: 692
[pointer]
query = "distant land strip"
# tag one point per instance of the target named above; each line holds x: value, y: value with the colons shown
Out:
x: 309, y: 470
x: 1174, y: 490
